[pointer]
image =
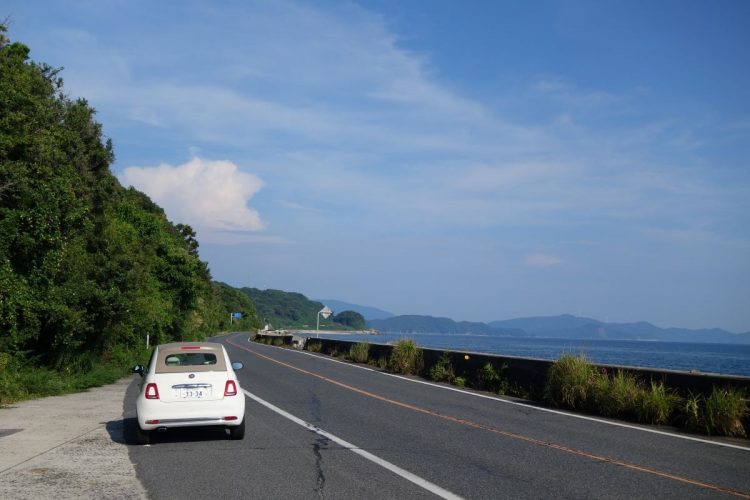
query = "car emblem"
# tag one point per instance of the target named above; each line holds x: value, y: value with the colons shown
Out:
x: 192, y: 375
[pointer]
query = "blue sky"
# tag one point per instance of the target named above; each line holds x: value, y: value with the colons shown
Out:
x: 479, y: 160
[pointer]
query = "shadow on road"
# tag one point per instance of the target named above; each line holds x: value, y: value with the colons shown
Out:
x: 124, y: 432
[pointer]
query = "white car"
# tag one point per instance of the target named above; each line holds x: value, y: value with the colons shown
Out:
x: 189, y: 384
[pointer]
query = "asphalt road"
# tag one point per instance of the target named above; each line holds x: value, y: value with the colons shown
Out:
x: 373, y: 435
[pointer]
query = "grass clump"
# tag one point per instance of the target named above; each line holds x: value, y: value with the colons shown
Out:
x: 406, y: 357
x: 359, y: 352
x: 575, y: 383
x: 656, y: 404
x: 571, y: 382
x: 719, y: 414
x: 617, y: 396
x: 442, y: 371
x: 724, y: 410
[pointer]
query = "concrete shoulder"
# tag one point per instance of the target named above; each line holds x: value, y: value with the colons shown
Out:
x: 67, y: 447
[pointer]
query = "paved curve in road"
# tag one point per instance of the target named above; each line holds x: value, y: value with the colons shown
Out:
x: 318, y: 428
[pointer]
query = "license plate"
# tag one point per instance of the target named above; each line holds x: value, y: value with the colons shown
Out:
x: 197, y: 393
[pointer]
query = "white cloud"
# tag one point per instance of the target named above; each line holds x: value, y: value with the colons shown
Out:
x: 541, y: 260
x: 208, y: 195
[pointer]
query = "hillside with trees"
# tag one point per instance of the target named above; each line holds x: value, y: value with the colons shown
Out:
x: 293, y: 310
x: 87, y: 267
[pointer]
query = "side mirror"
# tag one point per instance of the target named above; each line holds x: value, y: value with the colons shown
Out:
x: 237, y: 365
x: 138, y: 369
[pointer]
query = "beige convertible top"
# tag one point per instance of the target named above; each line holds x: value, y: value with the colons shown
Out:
x: 180, y: 357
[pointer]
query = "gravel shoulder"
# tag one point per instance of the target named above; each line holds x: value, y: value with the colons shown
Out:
x: 66, y: 447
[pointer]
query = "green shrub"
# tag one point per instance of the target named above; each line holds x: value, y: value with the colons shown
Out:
x: 492, y: 380
x: 10, y: 390
x: 459, y: 381
x: 442, y: 371
x: 19, y: 382
x: 278, y: 341
x: 406, y: 357
x: 313, y: 345
x: 571, y: 381
x: 724, y: 411
x: 383, y: 362
x: 656, y: 404
x: 359, y: 352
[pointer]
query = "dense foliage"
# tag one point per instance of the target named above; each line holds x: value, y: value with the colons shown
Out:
x: 87, y: 267
x: 350, y: 319
x: 293, y: 310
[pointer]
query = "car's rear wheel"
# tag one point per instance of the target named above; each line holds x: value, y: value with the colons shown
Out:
x: 141, y: 436
x: 237, y: 432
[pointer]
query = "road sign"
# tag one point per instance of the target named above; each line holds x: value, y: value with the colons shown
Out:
x: 237, y: 315
x: 326, y: 312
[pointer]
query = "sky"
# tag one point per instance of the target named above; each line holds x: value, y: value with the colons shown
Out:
x: 477, y: 160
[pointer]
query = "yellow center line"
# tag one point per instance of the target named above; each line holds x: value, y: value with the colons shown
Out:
x: 502, y: 432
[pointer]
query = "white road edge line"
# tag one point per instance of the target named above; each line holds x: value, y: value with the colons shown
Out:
x: 523, y: 405
x: 422, y: 483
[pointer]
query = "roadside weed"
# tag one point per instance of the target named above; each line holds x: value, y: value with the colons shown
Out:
x: 359, y: 352
x: 406, y: 357
x: 570, y: 382
x: 442, y: 371
x: 656, y: 404
x: 724, y: 411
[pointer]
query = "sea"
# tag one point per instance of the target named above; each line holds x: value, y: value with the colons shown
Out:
x: 726, y: 359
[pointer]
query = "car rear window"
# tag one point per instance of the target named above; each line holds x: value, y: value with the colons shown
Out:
x: 190, y: 359
x: 180, y: 360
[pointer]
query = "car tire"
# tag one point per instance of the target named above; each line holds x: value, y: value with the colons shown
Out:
x: 237, y: 432
x: 141, y: 436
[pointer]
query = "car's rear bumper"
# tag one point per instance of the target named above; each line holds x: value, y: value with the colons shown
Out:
x: 152, y: 414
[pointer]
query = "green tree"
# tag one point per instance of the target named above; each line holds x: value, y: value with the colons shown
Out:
x: 86, y: 266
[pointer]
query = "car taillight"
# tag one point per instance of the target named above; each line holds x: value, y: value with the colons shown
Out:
x: 230, y: 389
x: 152, y: 392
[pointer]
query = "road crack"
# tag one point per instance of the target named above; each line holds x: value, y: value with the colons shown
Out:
x: 320, y: 443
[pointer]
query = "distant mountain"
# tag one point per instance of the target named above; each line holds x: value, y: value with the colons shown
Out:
x: 565, y: 326
x: 430, y: 324
x: 288, y: 309
x: 543, y: 324
x: 368, y: 312
x: 573, y: 327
